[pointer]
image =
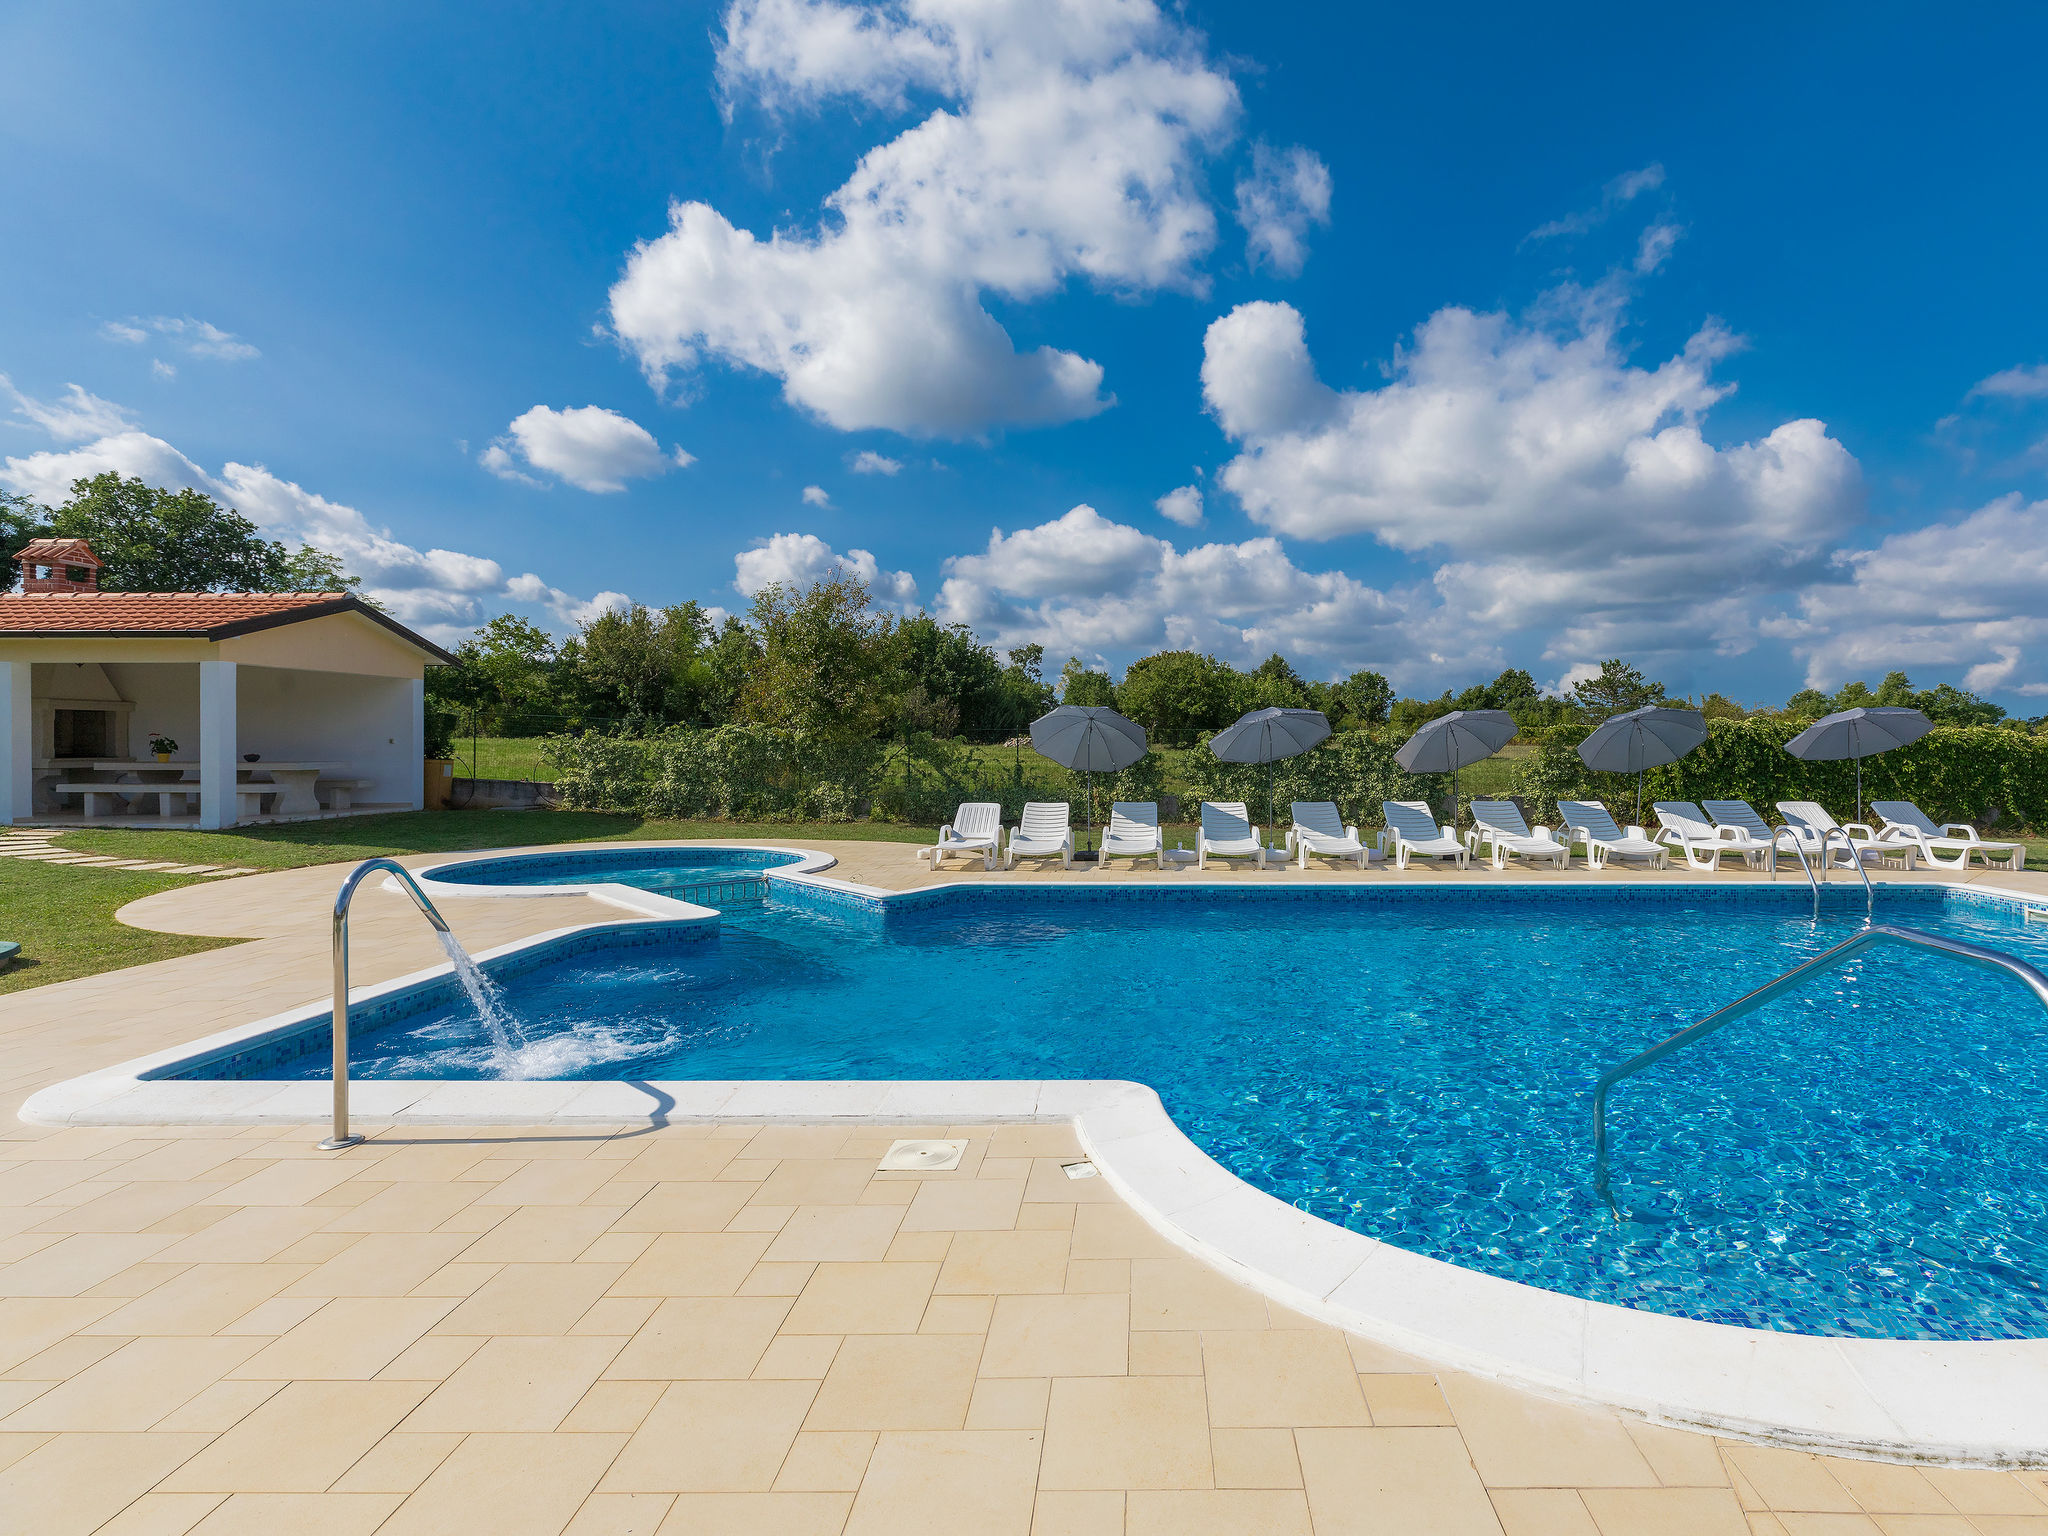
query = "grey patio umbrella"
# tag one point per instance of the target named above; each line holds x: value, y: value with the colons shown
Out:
x: 1266, y: 736
x: 1450, y: 741
x: 1090, y: 739
x: 1643, y: 738
x: 1858, y: 733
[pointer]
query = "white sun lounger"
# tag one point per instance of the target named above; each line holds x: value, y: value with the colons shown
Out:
x: 1318, y: 829
x: 1743, y: 817
x: 1227, y: 833
x: 1411, y: 829
x: 1686, y: 828
x: 1046, y: 831
x: 1590, y: 822
x: 1132, y: 833
x: 975, y: 827
x: 1815, y: 829
x: 1905, y: 822
x: 1498, y: 829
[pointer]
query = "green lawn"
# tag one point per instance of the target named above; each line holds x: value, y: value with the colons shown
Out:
x: 63, y: 918
x: 501, y: 757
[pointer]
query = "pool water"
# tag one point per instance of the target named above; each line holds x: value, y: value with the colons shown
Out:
x: 1863, y: 1158
x: 651, y: 869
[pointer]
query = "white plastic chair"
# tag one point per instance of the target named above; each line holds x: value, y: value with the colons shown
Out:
x: 1905, y: 822
x: 1815, y: 829
x: 975, y: 828
x: 1132, y: 833
x: 1227, y: 833
x: 1320, y: 830
x: 1046, y: 829
x: 1686, y: 828
x: 1411, y: 830
x: 1742, y: 816
x: 1498, y: 829
x: 1591, y: 823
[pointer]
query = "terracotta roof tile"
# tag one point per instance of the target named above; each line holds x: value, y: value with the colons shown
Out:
x: 205, y: 615
x: 53, y: 551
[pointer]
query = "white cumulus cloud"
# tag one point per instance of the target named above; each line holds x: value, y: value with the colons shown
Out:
x: 587, y: 446
x: 1069, y: 146
x: 868, y: 462
x: 1564, y: 489
x: 2021, y: 383
x: 1286, y: 192
x: 817, y: 496
x: 1183, y: 506
x: 197, y: 338
x: 75, y: 418
x: 800, y: 559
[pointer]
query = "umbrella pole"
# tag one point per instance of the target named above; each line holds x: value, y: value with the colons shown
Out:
x: 1859, y: 789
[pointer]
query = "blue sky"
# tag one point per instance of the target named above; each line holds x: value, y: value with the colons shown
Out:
x: 1486, y: 337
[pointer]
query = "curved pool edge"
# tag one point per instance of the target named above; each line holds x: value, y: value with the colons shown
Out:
x: 1973, y: 1404
x: 809, y: 862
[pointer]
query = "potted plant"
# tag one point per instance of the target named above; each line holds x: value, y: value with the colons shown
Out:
x: 163, y: 747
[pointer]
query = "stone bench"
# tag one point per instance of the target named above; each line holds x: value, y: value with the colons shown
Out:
x: 335, y: 794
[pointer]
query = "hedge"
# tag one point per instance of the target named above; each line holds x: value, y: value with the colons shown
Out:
x: 1979, y: 774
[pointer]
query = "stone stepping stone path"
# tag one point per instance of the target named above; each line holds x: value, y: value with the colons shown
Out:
x: 36, y: 848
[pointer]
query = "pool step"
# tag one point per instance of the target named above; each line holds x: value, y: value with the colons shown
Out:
x: 720, y: 893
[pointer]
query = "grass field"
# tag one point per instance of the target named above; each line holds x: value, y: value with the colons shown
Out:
x: 63, y: 918
x: 501, y: 757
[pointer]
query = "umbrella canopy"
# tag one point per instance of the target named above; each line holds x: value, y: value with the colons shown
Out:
x: 1450, y: 741
x: 1266, y: 736
x: 1858, y: 733
x: 1090, y: 739
x: 1643, y: 738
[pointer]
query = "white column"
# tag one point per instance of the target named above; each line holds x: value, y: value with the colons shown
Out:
x: 218, y: 805
x: 17, y: 743
x: 416, y: 740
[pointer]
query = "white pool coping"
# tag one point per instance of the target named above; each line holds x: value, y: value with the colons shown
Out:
x: 1961, y: 1404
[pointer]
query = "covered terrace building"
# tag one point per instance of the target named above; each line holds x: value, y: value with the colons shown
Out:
x: 277, y: 706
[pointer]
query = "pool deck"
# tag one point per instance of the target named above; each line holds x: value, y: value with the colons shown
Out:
x: 605, y: 1329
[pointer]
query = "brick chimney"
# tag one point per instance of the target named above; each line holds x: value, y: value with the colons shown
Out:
x: 59, y: 565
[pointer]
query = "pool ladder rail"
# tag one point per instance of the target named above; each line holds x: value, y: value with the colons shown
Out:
x: 1826, y: 960
x: 1781, y: 833
x: 341, y: 1138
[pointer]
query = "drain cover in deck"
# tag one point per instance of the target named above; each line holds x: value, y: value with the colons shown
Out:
x: 921, y: 1156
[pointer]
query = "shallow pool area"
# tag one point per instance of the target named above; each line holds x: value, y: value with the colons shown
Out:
x: 1859, y: 1160
x: 662, y: 870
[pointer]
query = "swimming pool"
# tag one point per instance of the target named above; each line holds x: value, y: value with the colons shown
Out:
x: 662, y: 870
x: 1415, y: 1064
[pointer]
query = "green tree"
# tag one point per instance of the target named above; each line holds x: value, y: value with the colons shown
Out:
x: 154, y: 540
x: 1081, y: 684
x: 1181, y: 694
x: 641, y: 665
x: 21, y: 520
x: 1807, y: 704
x: 824, y: 664
x: 1363, y: 698
x: 1275, y: 685
x: 1617, y: 689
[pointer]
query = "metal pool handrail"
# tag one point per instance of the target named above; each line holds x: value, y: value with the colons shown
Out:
x: 1778, y: 839
x: 1855, y: 862
x: 341, y: 1137
x: 1826, y: 960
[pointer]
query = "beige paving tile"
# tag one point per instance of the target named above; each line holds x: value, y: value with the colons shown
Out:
x: 1008, y: 1404
x: 863, y: 1298
x: 202, y: 1299
x: 28, y: 1326
x: 757, y: 1514
x: 80, y: 1262
x: 134, y: 1386
x: 798, y: 1357
x: 1680, y: 1458
x: 1372, y: 1357
x: 620, y: 1514
x: 1060, y: 1140
x: 897, y: 1381
x: 1831, y: 1525
x: 939, y: 1484
x: 458, y: 1279
x: 1281, y: 1378
x: 816, y: 1142
x: 1890, y: 1525
x: 1365, y: 1482
x: 1166, y: 1354
x: 67, y: 1357
x: 1216, y: 1512
x: 398, y: 1463
x: 1018, y: 1263
x: 549, y: 1182
x: 1116, y: 1232
x: 1984, y: 1493
x: 1542, y: 1512
x: 966, y: 1205
x: 515, y: 1383
x: 303, y: 1514
x: 848, y: 1233
x: 814, y: 1181
x: 292, y: 1182
x: 831, y: 1461
x: 1520, y: 1441
x: 1665, y: 1511
x: 382, y: 1264
x: 761, y: 1218
x: 910, y: 1246
x: 350, y: 1338
x: 254, y: 1235
x: 406, y: 1207
x: 508, y: 1485
x: 301, y: 1439
x: 1883, y: 1489
x: 1058, y: 1336
x: 777, y: 1279
x: 613, y: 1407
x: 542, y: 1235
x: 1788, y: 1480
x: 128, y: 1207
x: 693, y: 1264
x: 679, y: 1160
x: 1254, y: 1458
x: 71, y: 1484
x: 434, y: 1357
x: 713, y: 1437
x: 1111, y: 1432
x: 220, y: 1407
x: 1397, y: 1401
x: 162, y: 1514
x: 958, y: 1314
x: 1043, y: 1216
x: 533, y: 1298
x: 280, y: 1314
x: 685, y: 1207
x: 699, y: 1337
x: 1099, y: 1275
x: 1078, y: 1514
